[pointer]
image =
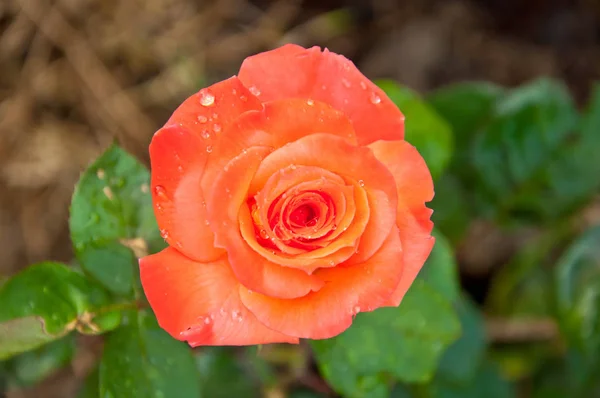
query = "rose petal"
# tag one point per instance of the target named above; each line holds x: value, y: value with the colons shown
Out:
x: 348, y: 161
x: 210, y: 111
x: 199, y: 302
x: 177, y: 158
x: 226, y: 203
x: 415, y: 187
x: 292, y: 71
x: 328, y: 312
x: 279, y: 123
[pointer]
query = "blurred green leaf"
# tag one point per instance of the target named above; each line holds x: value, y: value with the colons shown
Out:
x: 112, y: 205
x: 440, y: 270
x: 402, y: 343
x: 466, y: 107
x: 31, y: 367
x: 487, y: 383
x: 527, y: 131
x: 424, y: 128
x: 452, y: 211
x: 577, y: 281
x: 45, y: 302
x: 303, y: 393
x: 462, y: 359
x: 223, y: 375
x: 142, y: 360
x: 91, y: 385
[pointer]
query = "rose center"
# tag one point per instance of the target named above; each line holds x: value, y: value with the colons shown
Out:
x: 303, y: 216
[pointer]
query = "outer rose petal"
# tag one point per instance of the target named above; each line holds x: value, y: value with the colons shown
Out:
x: 254, y: 271
x: 178, y: 154
x: 199, y: 302
x: 415, y: 187
x: 177, y: 159
x: 349, y: 290
x: 292, y: 71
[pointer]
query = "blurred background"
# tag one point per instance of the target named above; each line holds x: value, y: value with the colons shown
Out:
x: 77, y: 74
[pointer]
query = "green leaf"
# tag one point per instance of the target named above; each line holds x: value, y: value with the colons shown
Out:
x: 403, y: 343
x: 487, y: 383
x: 91, y: 385
x: 223, y: 375
x: 424, y: 128
x: 31, y: 367
x: 440, y: 270
x: 452, y: 210
x: 461, y: 360
x: 112, y: 206
x: 142, y: 360
x: 466, y: 107
x: 45, y: 302
x: 528, y: 129
x: 577, y: 281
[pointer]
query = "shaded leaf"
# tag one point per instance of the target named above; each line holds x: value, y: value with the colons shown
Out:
x: 487, y: 383
x: 402, y: 343
x: 462, y: 359
x: 440, y: 270
x: 142, y: 360
x: 46, y: 301
x: 424, y: 128
x: 34, y: 366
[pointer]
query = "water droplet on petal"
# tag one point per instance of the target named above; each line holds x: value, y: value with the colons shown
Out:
x: 160, y: 191
x: 207, y: 320
x: 243, y: 98
x: 310, y: 102
x: 356, y: 309
x: 346, y: 83
x: 361, y: 183
x: 254, y: 90
x: 202, y: 119
x: 375, y: 99
x: 222, y: 312
x: 164, y: 234
x: 205, y: 134
x: 217, y: 128
x: 206, y: 222
x: 206, y: 98
x: 332, y: 263
x: 235, y: 314
x: 209, y: 148
x: 363, y: 85
x: 180, y: 168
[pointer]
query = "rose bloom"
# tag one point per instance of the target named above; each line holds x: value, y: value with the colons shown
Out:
x: 290, y: 203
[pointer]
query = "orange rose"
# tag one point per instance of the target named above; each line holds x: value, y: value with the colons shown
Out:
x: 290, y: 203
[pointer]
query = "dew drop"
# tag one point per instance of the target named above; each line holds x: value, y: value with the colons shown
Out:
x: 205, y: 134
x: 293, y: 167
x: 235, y: 314
x: 216, y: 128
x: 227, y: 190
x: 375, y: 99
x: 206, y: 222
x: 206, y: 98
x: 144, y: 188
x: 356, y: 309
x: 363, y: 85
x: 207, y: 320
x: 100, y: 173
x: 332, y: 263
x: 310, y: 102
x: 254, y: 90
x: 202, y: 119
x: 180, y: 168
x: 160, y: 191
x: 243, y: 98
x: 215, y: 116
x: 234, y: 91
x: 209, y: 148
x: 263, y: 234
x: 361, y: 183
x: 222, y: 312
x: 346, y: 83
x: 164, y: 233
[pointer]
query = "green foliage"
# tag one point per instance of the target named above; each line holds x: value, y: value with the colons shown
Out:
x: 112, y: 207
x: 142, y: 360
x: 424, y: 128
x: 47, y: 301
x: 402, y: 343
